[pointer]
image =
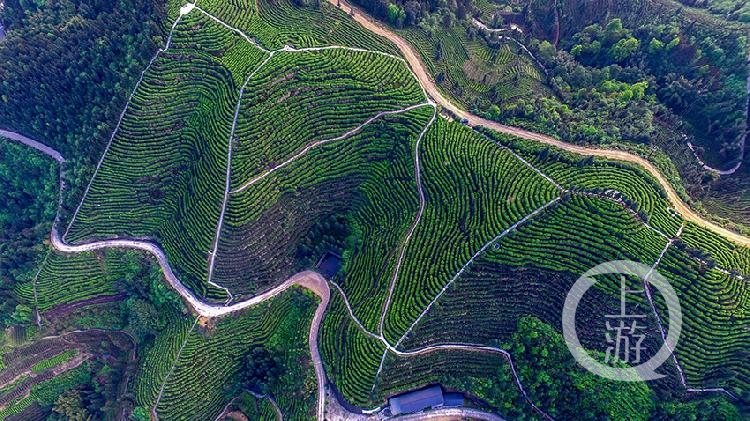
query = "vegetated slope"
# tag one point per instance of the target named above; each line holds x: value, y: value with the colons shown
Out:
x: 323, y: 201
x: 551, y: 378
x: 715, y: 304
x: 624, y: 182
x: 300, y: 97
x: 158, y: 360
x: 550, y: 253
x: 27, y: 182
x: 293, y: 98
x: 600, y: 73
x: 693, y: 67
x: 352, y: 358
x: 380, y: 227
x: 507, y: 284
x: 65, y: 279
x: 715, y: 250
x: 206, y: 369
x: 66, y: 285
x: 587, y: 227
x: 487, y: 375
x: 486, y: 303
x: 474, y: 69
x: 79, y: 371
x: 276, y: 23
x: 703, y: 297
x: 163, y: 175
x: 727, y: 199
x: 557, y: 382
x: 727, y: 9
x: 715, y: 315
x: 474, y: 191
x: 254, y: 408
x: 599, y: 55
x: 67, y: 67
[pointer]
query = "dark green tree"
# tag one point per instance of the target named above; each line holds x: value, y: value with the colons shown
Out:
x: 261, y: 370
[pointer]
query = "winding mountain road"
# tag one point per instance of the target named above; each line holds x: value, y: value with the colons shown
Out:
x: 307, y: 279
x: 314, y: 281
x: 414, y: 61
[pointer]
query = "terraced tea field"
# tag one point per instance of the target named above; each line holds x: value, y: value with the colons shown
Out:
x: 262, y: 136
x: 266, y: 221
x: 201, y: 366
x: 34, y: 375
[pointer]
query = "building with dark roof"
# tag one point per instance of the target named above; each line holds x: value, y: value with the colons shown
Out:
x: 417, y: 400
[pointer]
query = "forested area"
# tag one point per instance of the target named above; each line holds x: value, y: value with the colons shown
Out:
x: 607, y: 73
x: 610, y: 74
x: 615, y: 77
x: 28, y: 180
x: 357, y: 197
x: 558, y: 383
x: 86, y: 391
x: 626, y: 79
x: 649, y: 75
x: 694, y: 69
x: 67, y: 66
x: 100, y: 328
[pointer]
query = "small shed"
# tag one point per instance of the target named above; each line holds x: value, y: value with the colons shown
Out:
x: 417, y: 400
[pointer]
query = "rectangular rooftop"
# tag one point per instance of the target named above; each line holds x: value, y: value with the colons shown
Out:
x: 417, y: 400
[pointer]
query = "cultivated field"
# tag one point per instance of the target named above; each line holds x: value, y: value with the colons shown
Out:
x: 250, y: 147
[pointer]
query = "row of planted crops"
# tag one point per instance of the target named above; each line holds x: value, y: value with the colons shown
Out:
x: 275, y: 24
x: 164, y: 178
x: 474, y: 191
x: 34, y: 375
x: 191, y: 369
x: 266, y: 221
x: 172, y: 196
x: 70, y: 278
x: 567, y: 239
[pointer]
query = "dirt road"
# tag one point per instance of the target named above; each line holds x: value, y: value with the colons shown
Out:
x: 18, y: 137
x: 419, y: 69
x: 315, y: 283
